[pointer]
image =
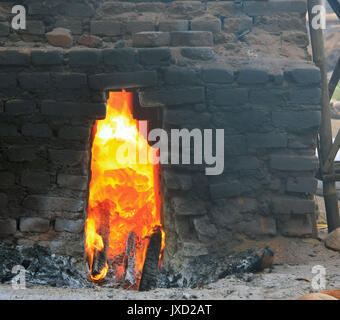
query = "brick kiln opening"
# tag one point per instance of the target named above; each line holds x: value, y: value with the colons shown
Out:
x: 124, y: 208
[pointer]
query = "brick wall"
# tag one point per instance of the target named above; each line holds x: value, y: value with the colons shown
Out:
x: 269, y: 108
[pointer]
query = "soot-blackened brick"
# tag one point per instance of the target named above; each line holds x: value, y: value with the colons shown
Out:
x: 119, y: 57
x: 35, y: 80
x: 84, y: 57
x: 70, y: 80
x: 154, y: 56
x: 171, y: 96
x: 12, y: 57
x: 70, y: 109
x: 47, y: 57
x: 72, y: 226
x: 36, y: 130
x: 38, y: 225
x: 217, y: 74
x: 252, y: 76
x: 20, y: 107
x: 45, y: 203
x: 8, y: 80
x: 35, y: 179
x: 120, y: 80
x: 293, y: 162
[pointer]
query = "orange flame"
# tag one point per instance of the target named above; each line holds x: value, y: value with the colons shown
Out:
x: 124, y: 196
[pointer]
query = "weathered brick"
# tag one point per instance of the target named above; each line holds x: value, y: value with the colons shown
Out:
x: 284, y: 205
x: 271, y: 97
x: 206, y: 24
x: 68, y: 157
x: 84, y: 57
x: 70, y: 109
x: 305, y: 96
x: 221, y: 9
x: 45, y: 203
x: 230, y: 97
x: 20, y: 107
x: 252, y: 76
x: 225, y: 190
x: 34, y: 225
x: 35, y: 179
x: 302, y: 185
x: 171, y: 96
x: 237, y: 24
x: 293, y: 162
x: 173, y: 25
x: 297, y: 121
x: 304, y: 75
x: 8, y: 80
x: 35, y: 80
x: 133, y: 27
x: 40, y: 130
x: 3, y: 200
x: 204, y: 228
x: 188, y: 207
x: 90, y: 41
x: 296, y: 226
x: 185, y: 76
x: 111, y: 8
x: 70, y: 80
x: 258, y: 225
x: 106, y: 28
x: 217, y: 74
x: 235, y: 145
x: 120, y: 80
x: 12, y: 57
x: 34, y: 27
x: 261, y: 8
x: 7, y: 178
x: 74, y: 133
x: 192, y: 39
x: 151, y: 39
x: 72, y: 226
x: 47, y: 57
x: 267, y: 140
x: 119, y: 57
x: 8, y: 130
x: 4, y: 29
x: 177, y: 181
x: 7, y: 227
x: 154, y: 56
x: 203, y: 53
x: 72, y: 181
x: 79, y: 10
x: 74, y: 25
x: 21, y: 154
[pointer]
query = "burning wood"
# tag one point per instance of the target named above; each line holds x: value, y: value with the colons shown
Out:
x: 130, y: 261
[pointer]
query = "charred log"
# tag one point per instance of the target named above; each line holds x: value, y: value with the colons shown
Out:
x: 100, y: 256
x: 150, y: 269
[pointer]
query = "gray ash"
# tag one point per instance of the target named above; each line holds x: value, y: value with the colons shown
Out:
x: 41, y: 267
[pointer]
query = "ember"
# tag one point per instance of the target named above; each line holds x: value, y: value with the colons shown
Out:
x: 124, y: 201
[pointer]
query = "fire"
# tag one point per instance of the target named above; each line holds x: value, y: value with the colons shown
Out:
x: 124, y: 195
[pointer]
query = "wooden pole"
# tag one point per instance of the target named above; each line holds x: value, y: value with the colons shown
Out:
x: 325, y: 131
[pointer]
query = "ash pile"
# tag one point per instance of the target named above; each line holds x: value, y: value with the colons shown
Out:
x: 41, y: 267
x: 209, y: 268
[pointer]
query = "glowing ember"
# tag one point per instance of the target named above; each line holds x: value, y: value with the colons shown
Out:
x: 123, y: 198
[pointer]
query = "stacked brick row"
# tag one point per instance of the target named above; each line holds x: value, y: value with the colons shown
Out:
x: 51, y: 98
x: 114, y: 21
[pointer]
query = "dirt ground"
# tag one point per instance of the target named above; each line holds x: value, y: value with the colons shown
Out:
x: 290, y: 278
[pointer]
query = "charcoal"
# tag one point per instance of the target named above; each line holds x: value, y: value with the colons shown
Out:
x: 209, y: 268
x: 42, y: 267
